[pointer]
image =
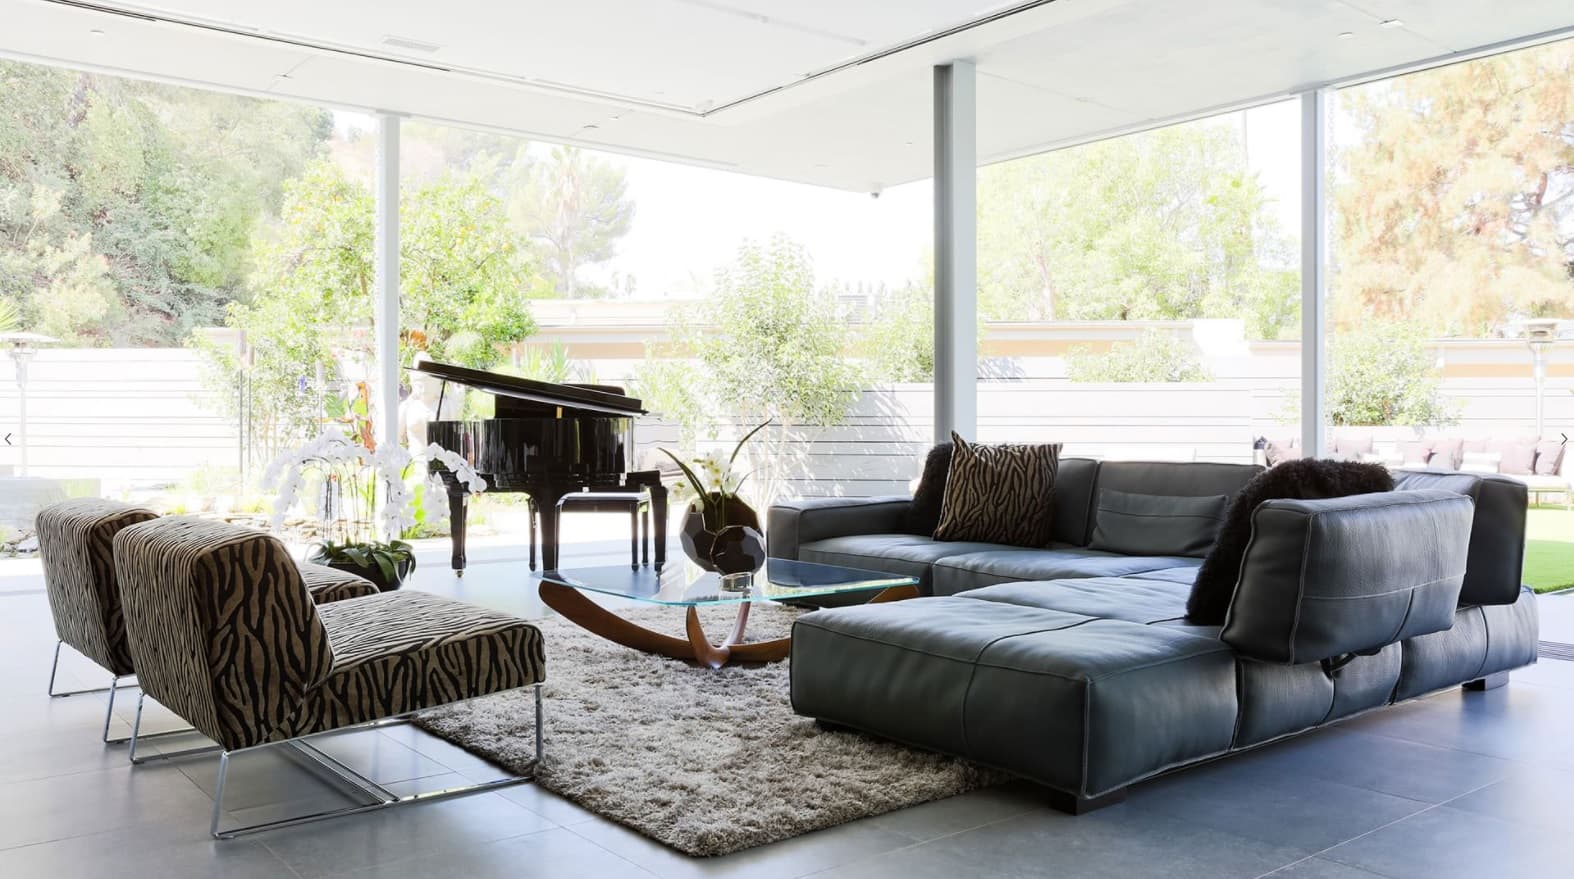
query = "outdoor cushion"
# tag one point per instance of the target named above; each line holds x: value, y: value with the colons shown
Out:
x: 906, y: 554
x: 1549, y: 457
x: 1081, y: 704
x: 965, y: 570
x: 1156, y: 525
x: 1515, y: 457
x: 1325, y: 578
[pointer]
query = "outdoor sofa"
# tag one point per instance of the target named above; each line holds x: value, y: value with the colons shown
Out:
x: 1078, y: 669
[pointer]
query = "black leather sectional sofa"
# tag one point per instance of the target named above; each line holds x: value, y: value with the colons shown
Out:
x: 1078, y: 668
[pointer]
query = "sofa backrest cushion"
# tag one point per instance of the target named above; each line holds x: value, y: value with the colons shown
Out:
x: 1323, y: 579
x: 1188, y: 479
x: 1306, y: 479
x: 1073, y: 501
x: 1156, y: 525
x: 1496, y: 563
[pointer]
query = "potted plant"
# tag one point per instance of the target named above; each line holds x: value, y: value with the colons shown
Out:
x: 721, y: 532
x: 343, y: 478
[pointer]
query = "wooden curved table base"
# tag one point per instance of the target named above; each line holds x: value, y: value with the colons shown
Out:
x: 588, y: 615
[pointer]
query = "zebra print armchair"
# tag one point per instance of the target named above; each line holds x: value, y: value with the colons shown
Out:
x: 224, y: 633
x: 75, y: 539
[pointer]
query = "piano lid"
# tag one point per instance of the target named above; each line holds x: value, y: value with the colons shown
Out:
x: 568, y: 396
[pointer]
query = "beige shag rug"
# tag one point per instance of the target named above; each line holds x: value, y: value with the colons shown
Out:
x: 707, y: 762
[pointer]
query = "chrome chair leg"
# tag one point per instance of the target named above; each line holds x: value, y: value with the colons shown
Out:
x: 381, y: 797
x: 54, y: 670
x: 109, y: 713
x: 137, y: 736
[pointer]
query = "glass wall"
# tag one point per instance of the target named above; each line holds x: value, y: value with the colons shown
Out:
x: 1140, y: 296
x: 1451, y: 294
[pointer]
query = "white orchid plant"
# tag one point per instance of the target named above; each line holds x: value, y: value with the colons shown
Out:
x: 343, y: 479
x: 712, y: 476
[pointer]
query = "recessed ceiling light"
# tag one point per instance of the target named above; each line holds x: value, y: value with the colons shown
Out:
x: 1347, y: 35
x: 1391, y: 23
x: 95, y: 32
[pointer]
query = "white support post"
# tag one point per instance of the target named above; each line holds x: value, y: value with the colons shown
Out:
x: 385, y: 289
x: 956, y: 251
x: 1314, y: 267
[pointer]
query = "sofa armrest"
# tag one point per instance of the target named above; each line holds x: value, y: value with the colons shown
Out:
x: 790, y: 524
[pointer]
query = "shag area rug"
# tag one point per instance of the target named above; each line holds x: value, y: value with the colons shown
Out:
x: 707, y: 762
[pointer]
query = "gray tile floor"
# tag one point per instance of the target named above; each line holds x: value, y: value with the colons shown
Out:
x: 1471, y: 785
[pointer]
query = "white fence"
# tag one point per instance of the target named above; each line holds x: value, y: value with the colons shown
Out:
x: 141, y: 417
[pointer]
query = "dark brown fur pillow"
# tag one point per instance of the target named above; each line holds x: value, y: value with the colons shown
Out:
x: 923, y: 515
x: 1306, y: 479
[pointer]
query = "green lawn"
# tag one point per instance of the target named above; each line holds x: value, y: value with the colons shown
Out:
x: 1549, y: 549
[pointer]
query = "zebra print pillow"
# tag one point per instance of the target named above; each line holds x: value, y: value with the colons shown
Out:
x: 999, y: 493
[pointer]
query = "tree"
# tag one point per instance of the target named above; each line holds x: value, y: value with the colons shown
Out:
x: 127, y: 208
x: 573, y: 207
x: 1382, y: 374
x: 1166, y: 225
x: 1453, y: 202
x: 1156, y: 357
x: 463, y: 291
x: 767, y: 344
x: 900, y: 340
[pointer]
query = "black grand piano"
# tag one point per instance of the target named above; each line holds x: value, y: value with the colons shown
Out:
x: 548, y: 441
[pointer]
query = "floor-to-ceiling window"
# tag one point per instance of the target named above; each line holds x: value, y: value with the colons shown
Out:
x: 1140, y: 296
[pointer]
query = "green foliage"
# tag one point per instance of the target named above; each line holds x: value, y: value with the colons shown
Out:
x: 462, y: 286
x: 1156, y: 357
x: 899, y: 341
x: 547, y: 365
x: 768, y: 346
x: 127, y: 208
x: 371, y: 555
x: 573, y: 207
x: 9, y: 319
x: 1164, y: 225
x: 1382, y: 374
x: 1451, y: 208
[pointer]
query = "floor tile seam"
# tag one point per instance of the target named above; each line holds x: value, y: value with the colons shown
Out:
x: 1380, y: 828
x: 914, y: 844
x: 1517, y: 761
x: 262, y: 841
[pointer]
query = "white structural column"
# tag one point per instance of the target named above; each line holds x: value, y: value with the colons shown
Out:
x: 1314, y: 269
x: 385, y: 288
x: 956, y: 251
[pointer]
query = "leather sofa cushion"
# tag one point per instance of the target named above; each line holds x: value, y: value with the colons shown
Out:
x: 1081, y: 704
x: 1185, y: 576
x: 911, y: 555
x: 969, y: 569
x: 1497, y: 533
x: 1156, y: 525
x: 1483, y: 640
x: 1280, y: 700
x: 1073, y: 500
x: 1191, y: 479
x: 1324, y: 578
x: 1135, y: 601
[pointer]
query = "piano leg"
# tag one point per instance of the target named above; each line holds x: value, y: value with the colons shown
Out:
x: 530, y: 513
x: 456, y: 526
x: 634, y: 535
x: 551, y: 512
x: 658, y: 513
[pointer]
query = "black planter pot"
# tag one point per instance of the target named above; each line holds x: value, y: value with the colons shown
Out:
x: 737, y: 547
x: 402, y: 571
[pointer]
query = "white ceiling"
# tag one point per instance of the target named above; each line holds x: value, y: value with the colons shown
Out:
x: 820, y: 91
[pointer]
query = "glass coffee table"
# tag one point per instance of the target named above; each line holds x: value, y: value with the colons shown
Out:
x: 686, y: 586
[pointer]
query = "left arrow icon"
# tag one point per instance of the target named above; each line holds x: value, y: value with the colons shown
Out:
x: 8, y: 439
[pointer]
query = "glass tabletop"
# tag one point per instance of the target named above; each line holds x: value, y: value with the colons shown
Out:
x: 683, y: 584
